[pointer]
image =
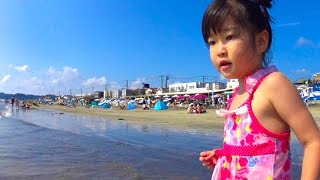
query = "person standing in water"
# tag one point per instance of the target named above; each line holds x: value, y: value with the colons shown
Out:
x: 12, y: 101
x: 265, y: 107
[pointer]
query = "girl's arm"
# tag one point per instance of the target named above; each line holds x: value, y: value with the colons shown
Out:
x: 286, y: 100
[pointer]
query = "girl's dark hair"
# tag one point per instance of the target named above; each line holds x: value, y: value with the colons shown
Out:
x: 251, y: 15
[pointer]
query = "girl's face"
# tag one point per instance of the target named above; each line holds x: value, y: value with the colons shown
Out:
x: 233, y: 52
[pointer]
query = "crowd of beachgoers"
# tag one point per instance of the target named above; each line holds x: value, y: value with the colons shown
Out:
x: 192, y: 104
x: 14, y: 102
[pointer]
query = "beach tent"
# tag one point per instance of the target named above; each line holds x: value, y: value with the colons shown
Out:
x: 94, y: 104
x: 160, y: 105
x: 82, y: 102
x: 105, y: 105
x: 131, y: 105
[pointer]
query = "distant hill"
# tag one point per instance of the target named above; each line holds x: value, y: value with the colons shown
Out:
x: 23, y: 96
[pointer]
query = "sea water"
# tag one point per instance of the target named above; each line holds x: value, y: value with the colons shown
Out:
x: 43, y: 144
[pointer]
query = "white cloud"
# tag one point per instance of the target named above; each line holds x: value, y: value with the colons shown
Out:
x: 51, y: 71
x: 23, y: 68
x: 66, y: 75
x: 114, y: 85
x: 34, y: 85
x: 302, y: 41
x: 95, y: 82
x: 137, y: 83
x: 301, y: 71
x: 288, y: 24
x: 5, y: 79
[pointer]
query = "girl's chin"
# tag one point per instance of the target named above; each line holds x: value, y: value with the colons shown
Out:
x: 227, y: 74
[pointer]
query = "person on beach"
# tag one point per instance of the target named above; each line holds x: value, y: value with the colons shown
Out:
x: 12, y: 101
x: 265, y: 106
x: 191, y: 108
x: 17, y: 103
x: 200, y: 108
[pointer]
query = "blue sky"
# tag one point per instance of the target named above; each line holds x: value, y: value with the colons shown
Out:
x: 62, y: 45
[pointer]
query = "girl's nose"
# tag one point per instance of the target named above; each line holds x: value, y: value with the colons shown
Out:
x: 222, y: 51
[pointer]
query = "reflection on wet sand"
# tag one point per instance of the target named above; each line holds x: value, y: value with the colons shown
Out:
x: 120, y: 149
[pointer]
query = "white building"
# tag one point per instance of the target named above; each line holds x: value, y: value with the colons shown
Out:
x: 116, y: 94
x: 193, y: 88
x: 233, y: 83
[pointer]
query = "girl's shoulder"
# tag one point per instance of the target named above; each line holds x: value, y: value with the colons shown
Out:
x: 276, y: 85
x: 276, y: 80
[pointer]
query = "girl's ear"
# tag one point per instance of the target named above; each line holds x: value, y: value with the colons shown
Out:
x: 262, y: 41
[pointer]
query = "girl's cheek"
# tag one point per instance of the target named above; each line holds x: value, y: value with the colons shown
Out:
x: 214, y: 62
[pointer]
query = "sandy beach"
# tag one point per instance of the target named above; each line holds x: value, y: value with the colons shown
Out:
x: 177, y: 118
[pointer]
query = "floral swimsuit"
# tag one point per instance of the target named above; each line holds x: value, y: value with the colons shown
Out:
x: 249, y: 150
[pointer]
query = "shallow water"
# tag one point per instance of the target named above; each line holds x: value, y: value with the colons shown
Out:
x: 42, y: 144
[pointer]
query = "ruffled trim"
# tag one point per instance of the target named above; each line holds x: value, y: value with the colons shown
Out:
x: 251, y: 81
x: 238, y: 111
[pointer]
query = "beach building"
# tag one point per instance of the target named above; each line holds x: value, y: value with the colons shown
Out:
x: 191, y: 88
x: 232, y: 83
x: 218, y: 85
x: 187, y: 88
x: 151, y: 91
x: 316, y: 77
x: 300, y: 82
x: 126, y: 92
x: 107, y: 94
x: 98, y: 94
x: 116, y: 94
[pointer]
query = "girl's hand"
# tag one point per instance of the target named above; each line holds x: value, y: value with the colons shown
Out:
x: 208, y: 159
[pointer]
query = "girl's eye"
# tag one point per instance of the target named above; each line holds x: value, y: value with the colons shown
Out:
x: 211, y: 42
x: 229, y: 37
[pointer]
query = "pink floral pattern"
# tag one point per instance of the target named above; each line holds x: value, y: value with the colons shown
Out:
x: 250, y: 151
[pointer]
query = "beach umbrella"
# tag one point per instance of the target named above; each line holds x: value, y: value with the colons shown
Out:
x: 175, y: 96
x: 181, y: 97
x: 166, y: 96
x: 200, y: 96
x: 186, y: 95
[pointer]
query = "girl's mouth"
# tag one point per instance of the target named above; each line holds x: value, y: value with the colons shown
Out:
x: 225, y: 65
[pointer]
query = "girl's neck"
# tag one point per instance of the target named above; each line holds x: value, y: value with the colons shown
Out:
x: 242, y: 80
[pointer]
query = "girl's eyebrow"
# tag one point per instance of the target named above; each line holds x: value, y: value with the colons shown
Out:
x: 225, y: 30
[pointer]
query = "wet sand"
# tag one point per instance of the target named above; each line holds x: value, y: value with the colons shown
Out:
x: 177, y: 118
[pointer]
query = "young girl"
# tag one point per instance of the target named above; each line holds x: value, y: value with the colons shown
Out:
x: 265, y: 106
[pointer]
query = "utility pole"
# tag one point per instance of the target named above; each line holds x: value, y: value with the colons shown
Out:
x: 127, y: 84
x: 70, y: 93
x: 167, y: 78
x: 203, y: 78
x: 81, y: 92
x: 92, y: 90
x: 162, y: 81
x: 105, y: 91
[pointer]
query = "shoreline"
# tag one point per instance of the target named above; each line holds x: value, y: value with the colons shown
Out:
x: 177, y: 118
